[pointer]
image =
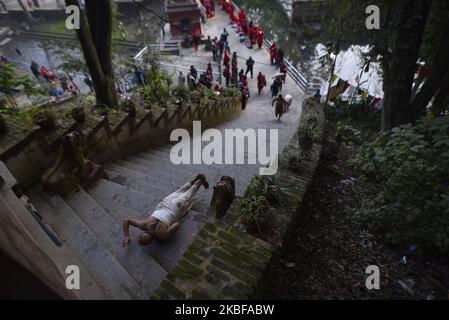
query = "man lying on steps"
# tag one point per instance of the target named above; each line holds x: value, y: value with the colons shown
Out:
x: 164, y: 221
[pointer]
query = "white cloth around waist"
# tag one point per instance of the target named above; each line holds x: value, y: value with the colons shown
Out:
x: 175, y: 206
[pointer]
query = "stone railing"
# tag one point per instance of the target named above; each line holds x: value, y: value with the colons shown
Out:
x: 29, y: 158
x: 224, y: 262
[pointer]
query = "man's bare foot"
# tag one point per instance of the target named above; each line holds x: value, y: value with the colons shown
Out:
x: 202, y: 178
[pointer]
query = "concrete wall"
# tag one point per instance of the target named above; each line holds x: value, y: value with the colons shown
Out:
x: 29, y: 158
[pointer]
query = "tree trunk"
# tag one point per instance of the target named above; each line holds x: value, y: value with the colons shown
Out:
x: 102, y: 37
x: 439, y: 67
x: 399, y: 65
x: 441, y: 101
x: 95, y: 34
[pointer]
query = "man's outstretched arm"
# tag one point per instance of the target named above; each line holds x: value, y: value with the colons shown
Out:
x: 131, y: 222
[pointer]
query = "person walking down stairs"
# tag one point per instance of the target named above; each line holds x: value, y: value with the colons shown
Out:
x: 165, y: 220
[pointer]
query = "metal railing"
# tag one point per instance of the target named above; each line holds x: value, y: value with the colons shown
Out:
x: 170, y: 47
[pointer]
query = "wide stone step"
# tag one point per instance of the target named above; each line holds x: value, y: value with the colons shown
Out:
x: 241, y: 173
x: 163, y: 154
x: 146, y: 272
x: 179, y: 175
x: 154, y: 162
x: 170, y: 169
x: 156, y: 190
x: 127, y: 178
x: 167, y: 254
x: 157, y: 171
x: 115, y: 281
x: 189, y: 171
x: 138, y: 201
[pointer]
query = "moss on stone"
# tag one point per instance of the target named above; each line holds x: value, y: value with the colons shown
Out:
x: 234, y: 294
x: 193, y: 258
x: 197, y: 250
x: 190, y: 268
x: 211, y: 228
x: 172, y: 290
x: 228, y: 237
x: 200, y: 295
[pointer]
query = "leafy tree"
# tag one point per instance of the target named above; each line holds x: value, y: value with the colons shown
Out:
x: 10, y: 82
x: 158, y: 84
x: 411, y: 31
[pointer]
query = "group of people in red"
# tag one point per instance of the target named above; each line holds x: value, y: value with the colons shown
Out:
x: 255, y: 34
x: 209, y: 5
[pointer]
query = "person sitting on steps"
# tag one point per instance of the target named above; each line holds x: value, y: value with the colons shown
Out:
x: 165, y: 220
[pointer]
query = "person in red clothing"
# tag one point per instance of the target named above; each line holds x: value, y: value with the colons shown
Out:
x: 227, y: 75
x: 273, y: 53
x: 73, y: 91
x: 284, y: 71
x: 241, y: 15
x: 217, y: 87
x: 44, y: 74
x: 231, y: 12
x: 261, y: 82
x: 252, y: 34
x: 51, y: 75
x: 224, y: 5
x: 196, y: 38
x: 226, y: 59
x: 260, y: 37
x: 244, y: 97
x: 212, y: 8
x: 243, y: 21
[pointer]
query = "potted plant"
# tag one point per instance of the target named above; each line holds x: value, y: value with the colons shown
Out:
x: 45, y: 120
x: 294, y: 162
x: 101, y: 109
x: 195, y: 97
x: 78, y: 114
x: 130, y: 107
x: 255, y: 214
x: 305, y: 136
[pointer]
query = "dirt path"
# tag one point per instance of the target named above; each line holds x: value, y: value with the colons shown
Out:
x: 328, y: 255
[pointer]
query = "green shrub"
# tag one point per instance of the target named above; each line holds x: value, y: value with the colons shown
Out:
x: 411, y: 165
x: 251, y: 210
x: 292, y: 161
x: 182, y: 92
x: 365, y: 116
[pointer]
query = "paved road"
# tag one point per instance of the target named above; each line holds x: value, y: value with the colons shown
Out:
x: 259, y: 113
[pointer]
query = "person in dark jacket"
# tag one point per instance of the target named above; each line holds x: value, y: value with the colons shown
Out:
x: 35, y: 69
x: 250, y: 67
x: 227, y: 75
x: 261, y: 82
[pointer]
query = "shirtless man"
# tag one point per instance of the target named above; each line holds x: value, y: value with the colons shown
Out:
x: 164, y: 221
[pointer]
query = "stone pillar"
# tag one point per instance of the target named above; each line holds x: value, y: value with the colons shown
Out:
x: 184, y: 17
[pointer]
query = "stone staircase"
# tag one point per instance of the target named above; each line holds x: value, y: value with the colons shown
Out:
x: 89, y: 222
